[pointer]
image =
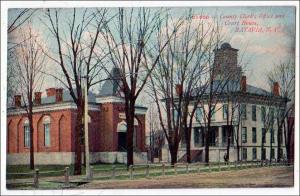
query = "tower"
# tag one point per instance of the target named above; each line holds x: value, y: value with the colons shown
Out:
x: 226, y: 63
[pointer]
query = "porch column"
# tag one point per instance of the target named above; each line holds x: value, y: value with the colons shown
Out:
x: 220, y: 136
x: 192, y: 138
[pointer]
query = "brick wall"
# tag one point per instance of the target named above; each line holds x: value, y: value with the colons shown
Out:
x: 103, y: 135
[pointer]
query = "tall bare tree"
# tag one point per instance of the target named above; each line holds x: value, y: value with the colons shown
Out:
x: 75, y: 36
x: 178, y: 78
x: 271, y: 102
x: 284, y: 74
x: 128, y: 40
x: 16, y: 19
x: 29, y: 63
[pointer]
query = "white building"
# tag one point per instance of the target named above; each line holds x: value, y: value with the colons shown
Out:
x: 253, y: 112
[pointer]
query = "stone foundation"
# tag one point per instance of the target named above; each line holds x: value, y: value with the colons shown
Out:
x: 67, y: 158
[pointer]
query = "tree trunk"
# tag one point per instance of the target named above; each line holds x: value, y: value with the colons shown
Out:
x: 78, y: 139
x: 207, y: 142
x: 271, y: 145
x: 173, y: 153
x: 229, y: 131
x: 237, y: 144
x: 130, y: 130
x: 262, y: 146
x: 290, y: 141
x: 279, y: 137
x: 31, y: 137
x: 188, y: 145
x: 238, y: 152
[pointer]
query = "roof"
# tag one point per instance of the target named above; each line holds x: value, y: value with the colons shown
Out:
x: 225, y: 45
x: 234, y: 86
x: 109, y: 89
x: 66, y: 97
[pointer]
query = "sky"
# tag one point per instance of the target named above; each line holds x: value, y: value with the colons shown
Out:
x: 258, y: 51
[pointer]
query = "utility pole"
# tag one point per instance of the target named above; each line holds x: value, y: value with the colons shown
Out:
x: 86, y: 132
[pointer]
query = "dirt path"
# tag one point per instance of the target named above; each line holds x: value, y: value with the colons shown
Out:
x: 260, y: 177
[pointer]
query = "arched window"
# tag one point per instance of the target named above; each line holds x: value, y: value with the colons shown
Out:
x: 46, y: 122
x: 26, y: 134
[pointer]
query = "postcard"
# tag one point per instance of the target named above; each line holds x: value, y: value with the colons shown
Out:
x: 149, y: 98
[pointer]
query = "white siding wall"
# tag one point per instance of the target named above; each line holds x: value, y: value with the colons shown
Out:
x: 249, y: 124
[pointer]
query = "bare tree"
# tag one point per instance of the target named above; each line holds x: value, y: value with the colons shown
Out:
x: 20, y: 17
x: 179, y: 78
x: 156, y: 139
x: 219, y: 83
x: 128, y: 40
x: 77, y: 56
x: 16, y: 19
x: 284, y: 74
x: 232, y: 114
x: 29, y: 63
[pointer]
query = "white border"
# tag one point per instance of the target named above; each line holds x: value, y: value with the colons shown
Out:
x: 38, y: 4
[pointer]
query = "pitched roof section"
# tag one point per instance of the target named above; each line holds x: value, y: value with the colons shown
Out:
x: 234, y: 86
x: 66, y: 97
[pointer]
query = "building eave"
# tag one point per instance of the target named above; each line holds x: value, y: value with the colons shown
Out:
x: 50, y: 107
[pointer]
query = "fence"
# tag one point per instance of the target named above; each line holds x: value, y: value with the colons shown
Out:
x: 139, y: 171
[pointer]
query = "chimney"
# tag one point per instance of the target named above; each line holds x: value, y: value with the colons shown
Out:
x: 276, y: 88
x: 50, y: 92
x: 37, y: 98
x: 178, y: 89
x: 59, y: 95
x: 17, y: 101
x: 244, y: 84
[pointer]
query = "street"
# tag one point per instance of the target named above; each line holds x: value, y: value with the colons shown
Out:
x: 256, y: 177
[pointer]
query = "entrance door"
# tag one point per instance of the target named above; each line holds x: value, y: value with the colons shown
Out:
x: 122, y: 144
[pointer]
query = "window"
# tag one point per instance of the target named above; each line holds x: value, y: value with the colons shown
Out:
x: 225, y: 111
x: 47, y: 134
x: 213, y: 113
x: 272, y: 135
x: 263, y: 155
x: 47, y: 141
x: 196, y: 135
x: 263, y: 132
x: 199, y: 114
x: 199, y: 136
x: 253, y: 134
x: 272, y: 153
x: 244, y: 111
x: 254, y: 154
x: 254, y: 112
x: 227, y: 132
x: 213, y: 135
x: 244, y: 153
x: 244, y: 134
x: 26, y: 135
x: 263, y: 113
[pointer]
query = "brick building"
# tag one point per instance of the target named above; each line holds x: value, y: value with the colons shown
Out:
x: 54, y: 128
